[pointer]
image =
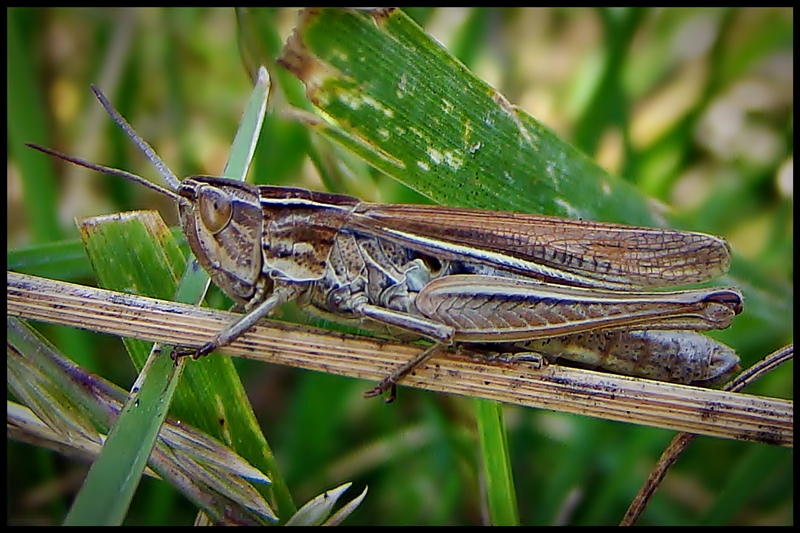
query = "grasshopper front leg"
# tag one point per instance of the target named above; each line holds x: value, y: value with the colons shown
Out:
x: 281, y: 294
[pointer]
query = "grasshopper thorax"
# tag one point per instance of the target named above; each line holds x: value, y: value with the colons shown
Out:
x: 223, y: 224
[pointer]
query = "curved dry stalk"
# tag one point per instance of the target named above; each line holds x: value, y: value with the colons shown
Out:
x: 683, y: 439
x: 665, y: 405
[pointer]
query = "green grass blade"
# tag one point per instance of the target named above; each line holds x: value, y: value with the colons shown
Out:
x: 65, y: 260
x: 62, y: 260
x: 244, y: 144
x: 501, y: 497
x: 126, y: 450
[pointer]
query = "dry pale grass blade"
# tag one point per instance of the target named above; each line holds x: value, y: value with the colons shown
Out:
x: 679, y: 407
x: 70, y: 411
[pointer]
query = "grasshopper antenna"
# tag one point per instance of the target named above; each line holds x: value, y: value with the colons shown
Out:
x: 162, y: 168
x: 108, y: 170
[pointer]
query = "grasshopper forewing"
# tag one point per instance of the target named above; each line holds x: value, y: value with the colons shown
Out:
x: 561, y: 250
x: 531, y: 284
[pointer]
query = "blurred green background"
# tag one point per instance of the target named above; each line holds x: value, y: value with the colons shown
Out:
x: 694, y: 106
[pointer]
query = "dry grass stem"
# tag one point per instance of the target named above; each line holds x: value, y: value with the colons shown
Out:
x: 665, y: 405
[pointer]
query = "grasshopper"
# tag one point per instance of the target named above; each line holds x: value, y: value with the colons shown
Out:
x: 529, y: 285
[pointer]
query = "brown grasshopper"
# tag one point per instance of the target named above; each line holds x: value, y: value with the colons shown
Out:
x: 529, y: 285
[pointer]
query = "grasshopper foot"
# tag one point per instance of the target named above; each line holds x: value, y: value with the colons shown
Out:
x: 387, y: 384
x: 204, y: 350
x: 195, y: 353
x: 181, y: 351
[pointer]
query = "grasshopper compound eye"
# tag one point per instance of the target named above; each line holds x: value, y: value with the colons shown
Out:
x: 215, y: 208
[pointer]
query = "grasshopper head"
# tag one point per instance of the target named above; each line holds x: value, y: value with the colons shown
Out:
x: 223, y: 223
